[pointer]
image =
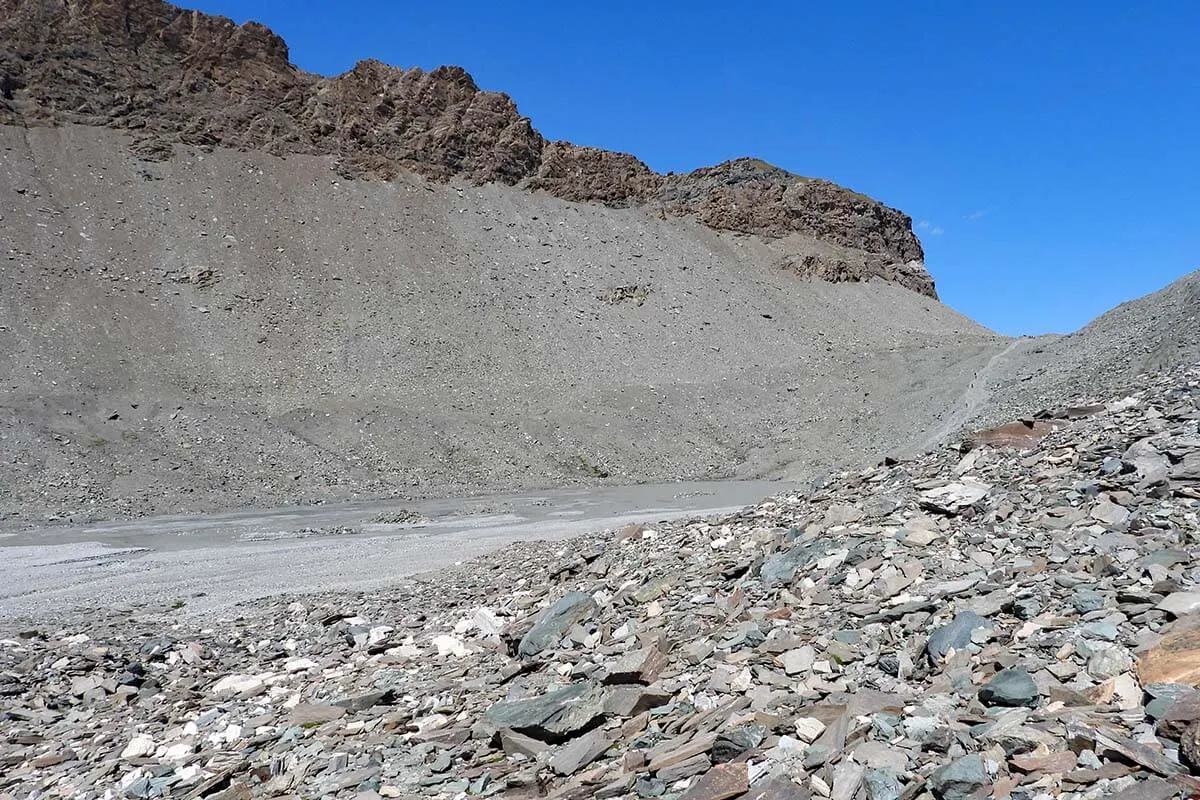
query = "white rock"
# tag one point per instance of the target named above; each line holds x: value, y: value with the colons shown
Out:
x: 129, y: 778
x: 405, y: 651
x: 189, y: 773
x: 300, y: 665
x: 787, y: 747
x: 799, y: 660
x: 808, y: 729
x: 920, y: 538
x: 378, y: 633
x: 742, y: 681
x: 238, y: 684
x: 486, y: 620
x: 229, y: 735
x: 832, y: 560
x: 957, y: 496
x: 450, y: 646
x: 178, y: 751
x: 432, y: 722
x: 1127, y: 693
x: 139, y: 747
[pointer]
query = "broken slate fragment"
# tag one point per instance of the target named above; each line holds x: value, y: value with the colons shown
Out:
x: 514, y: 743
x: 1010, y: 687
x: 306, y: 714
x: 637, y: 666
x: 779, y: 788
x: 780, y: 568
x: 731, y: 744
x: 956, y: 634
x: 722, y: 782
x: 578, y: 753
x: 960, y: 779
x: 552, y: 717
x: 954, y: 497
x: 556, y: 621
x: 882, y: 784
x: 1152, y: 466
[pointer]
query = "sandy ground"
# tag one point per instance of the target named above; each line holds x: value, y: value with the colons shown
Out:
x: 194, y: 565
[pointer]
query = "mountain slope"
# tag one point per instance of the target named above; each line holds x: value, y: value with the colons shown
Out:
x: 177, y: 338
x: 174, y: 76
x: 1157, y: 332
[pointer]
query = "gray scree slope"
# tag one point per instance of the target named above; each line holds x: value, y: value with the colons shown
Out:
x: 227, y: 329
x: 202, y: 309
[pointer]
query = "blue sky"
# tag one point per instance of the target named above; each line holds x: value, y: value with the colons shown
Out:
x: 1047, y: 152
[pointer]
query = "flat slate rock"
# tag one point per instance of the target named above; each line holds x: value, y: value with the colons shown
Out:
x: 555, y: 621
x: 1010, y: 687
x: 553, y: 716
x: 956, y: 634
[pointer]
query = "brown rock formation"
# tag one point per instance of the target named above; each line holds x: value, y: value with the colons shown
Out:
x: 171, y: 75
x: 586, y: 174
x: 1020, y: 435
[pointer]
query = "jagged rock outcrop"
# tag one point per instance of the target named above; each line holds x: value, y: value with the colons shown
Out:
x: 435, y: 123
x: 174, y: 76
x: 587, y: 174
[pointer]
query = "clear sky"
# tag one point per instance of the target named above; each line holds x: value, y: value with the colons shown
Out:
x: 1048, y: 153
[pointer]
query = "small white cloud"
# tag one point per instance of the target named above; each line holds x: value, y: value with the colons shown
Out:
x: 923, y: 224
x: 937, y: 231
x: 980, y: 214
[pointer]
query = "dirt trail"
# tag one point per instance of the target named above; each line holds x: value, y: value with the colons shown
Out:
x: 973, y: 398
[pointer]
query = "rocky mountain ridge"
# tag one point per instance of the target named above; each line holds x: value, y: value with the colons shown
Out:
x: 173, y: 76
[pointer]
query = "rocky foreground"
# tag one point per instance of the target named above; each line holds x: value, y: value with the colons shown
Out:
x: 1007, y: 623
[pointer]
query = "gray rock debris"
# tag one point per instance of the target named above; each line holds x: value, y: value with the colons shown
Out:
x: 573, y: 608
x: 956, y: 634
x: 777, y: 652
x: 1010, y: 687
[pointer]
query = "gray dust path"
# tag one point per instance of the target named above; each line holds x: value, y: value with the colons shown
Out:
x: 973, y: 398
x: 206, y: 563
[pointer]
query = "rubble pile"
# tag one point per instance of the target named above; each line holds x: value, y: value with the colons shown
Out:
x: 1004, y: 623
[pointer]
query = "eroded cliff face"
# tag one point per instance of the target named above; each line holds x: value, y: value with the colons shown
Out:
x: 169, y: 75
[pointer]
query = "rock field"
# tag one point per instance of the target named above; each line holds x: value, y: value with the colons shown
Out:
x: 995, y: 623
